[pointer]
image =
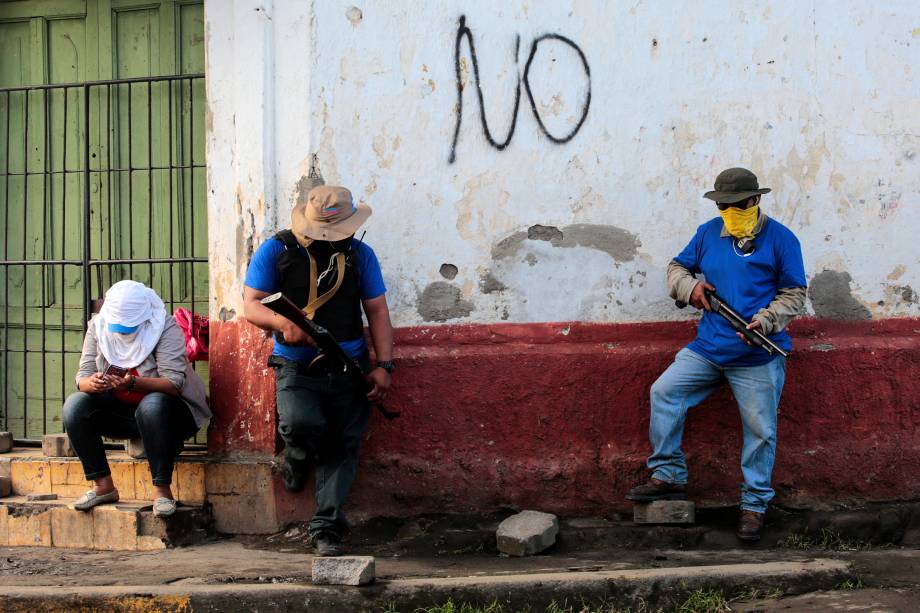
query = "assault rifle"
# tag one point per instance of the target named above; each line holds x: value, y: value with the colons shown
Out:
x: 757, y: 338
x: 325, y: 343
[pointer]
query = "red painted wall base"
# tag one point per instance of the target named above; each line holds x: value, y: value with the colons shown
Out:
x: 555, y: 417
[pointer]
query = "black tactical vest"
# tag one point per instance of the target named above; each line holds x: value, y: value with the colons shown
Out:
x: 341, y: 316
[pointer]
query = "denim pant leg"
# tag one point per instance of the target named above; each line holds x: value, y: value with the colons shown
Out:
x: 163, y: 422
x: 757, y: 390
x: 685, y: 384
x: 301, y: 420
x: 348, y: 412
x: 89, y: 417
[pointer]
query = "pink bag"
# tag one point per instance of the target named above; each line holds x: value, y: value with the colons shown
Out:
x: 195, y: 329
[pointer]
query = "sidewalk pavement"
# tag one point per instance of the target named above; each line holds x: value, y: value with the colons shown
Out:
x: 254, y: 574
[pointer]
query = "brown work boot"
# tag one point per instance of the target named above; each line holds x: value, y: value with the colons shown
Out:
x: 656, y: 489
x: 750, y: 526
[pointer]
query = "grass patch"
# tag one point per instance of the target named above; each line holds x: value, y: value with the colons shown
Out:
x: 453, y: 607
x: 704, y: 600
x: 554, y: 607
x: 758, y: 594
x: 850, y: 584
x: 828, y: 539
x: 701, y: 601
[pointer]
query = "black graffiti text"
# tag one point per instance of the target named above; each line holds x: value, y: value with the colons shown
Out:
x: 464, y: 32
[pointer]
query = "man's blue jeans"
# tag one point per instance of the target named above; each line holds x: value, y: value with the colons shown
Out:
x: 685, y: 384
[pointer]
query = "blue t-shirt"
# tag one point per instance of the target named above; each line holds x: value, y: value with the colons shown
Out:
x: 262, y: 275
x: 746, y: 283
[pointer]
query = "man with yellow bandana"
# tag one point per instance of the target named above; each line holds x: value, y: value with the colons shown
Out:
x: 755, y: 264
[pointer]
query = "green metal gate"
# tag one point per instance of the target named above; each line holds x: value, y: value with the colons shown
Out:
x: 101, y: 179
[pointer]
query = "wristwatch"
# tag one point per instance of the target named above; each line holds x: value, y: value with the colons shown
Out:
x: 388, y: 366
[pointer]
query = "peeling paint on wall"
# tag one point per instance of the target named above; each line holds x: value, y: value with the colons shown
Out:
x: 307, y: 182
x: 831, y: 297
x: 619, y: 244
x: 441, y: 301
x: 488, y: 284
x: 448, y: 271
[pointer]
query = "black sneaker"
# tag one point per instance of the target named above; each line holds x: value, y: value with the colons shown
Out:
x: 294, y: 474
x: 657, y: 489
x: 327, y: 544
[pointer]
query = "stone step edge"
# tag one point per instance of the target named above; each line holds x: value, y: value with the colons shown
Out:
x: 127, y: 505
x: 660, y: 587
x: 31, y: 454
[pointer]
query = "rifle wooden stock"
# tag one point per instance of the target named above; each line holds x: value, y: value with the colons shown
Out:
x: 325, y: 342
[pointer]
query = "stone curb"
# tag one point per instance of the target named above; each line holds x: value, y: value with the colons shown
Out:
x: 657, y: 587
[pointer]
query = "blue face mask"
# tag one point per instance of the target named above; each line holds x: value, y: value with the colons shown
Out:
x: 120, y: 329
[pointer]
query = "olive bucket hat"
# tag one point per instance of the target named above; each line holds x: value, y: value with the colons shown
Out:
x: 735, y: 185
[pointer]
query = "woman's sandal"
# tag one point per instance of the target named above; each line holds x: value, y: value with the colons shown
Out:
x: 90, y: 499
x: 164, y: 507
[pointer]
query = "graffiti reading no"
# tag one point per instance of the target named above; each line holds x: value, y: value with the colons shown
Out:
x: 464, y: 32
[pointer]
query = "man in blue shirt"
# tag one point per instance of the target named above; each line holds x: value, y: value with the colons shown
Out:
x: 755, y: 263
x: 322, y: 413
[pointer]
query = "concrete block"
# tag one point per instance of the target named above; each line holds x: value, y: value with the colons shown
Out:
x: 188, y: 526
x: 123, y: 476
x: 150, y: 543
x: 189, y: 484
x: 345, y: 570
x: 37, y: 497
x: 238, y: 478
x: 6, y: 442
x: 135, y: 448
x: 29, y: 527
x: 6, y: 487
x: 30, y: 476
x: 664, y: 512
x: 70, y: 491
x: 115, y: 529
x: 71, y: 528
x: 527, y: 533
x: 4, y: 526
x: 143, y: 482
x: 67, y: 472
x: 57, y: 446
x: 234, y: 514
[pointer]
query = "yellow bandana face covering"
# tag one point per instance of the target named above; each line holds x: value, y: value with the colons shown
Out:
x: 740, y: 223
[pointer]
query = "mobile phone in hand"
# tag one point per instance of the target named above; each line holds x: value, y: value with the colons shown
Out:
x: 116, y: 371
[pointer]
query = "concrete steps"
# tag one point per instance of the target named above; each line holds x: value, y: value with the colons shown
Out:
x: 128, y: 525
x: 228, y: 496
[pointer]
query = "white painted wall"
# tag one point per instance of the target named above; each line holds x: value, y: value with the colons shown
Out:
x: 820, y: 99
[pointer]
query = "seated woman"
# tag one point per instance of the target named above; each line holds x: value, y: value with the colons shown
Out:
x: 134, y: 381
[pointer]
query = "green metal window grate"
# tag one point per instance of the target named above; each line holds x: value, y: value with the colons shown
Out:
x: 99, y: 181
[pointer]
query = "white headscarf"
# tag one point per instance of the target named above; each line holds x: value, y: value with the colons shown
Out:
x: 130, y: 303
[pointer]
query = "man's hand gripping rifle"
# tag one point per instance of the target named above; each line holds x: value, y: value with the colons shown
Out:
x: 756, y: 337
x: 325, y: 342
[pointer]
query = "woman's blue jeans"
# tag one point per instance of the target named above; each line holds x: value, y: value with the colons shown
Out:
x: 162, y: 421
x: 685, y: 384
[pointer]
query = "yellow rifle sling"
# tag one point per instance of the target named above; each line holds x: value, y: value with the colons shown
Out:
x: 314, y: 303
